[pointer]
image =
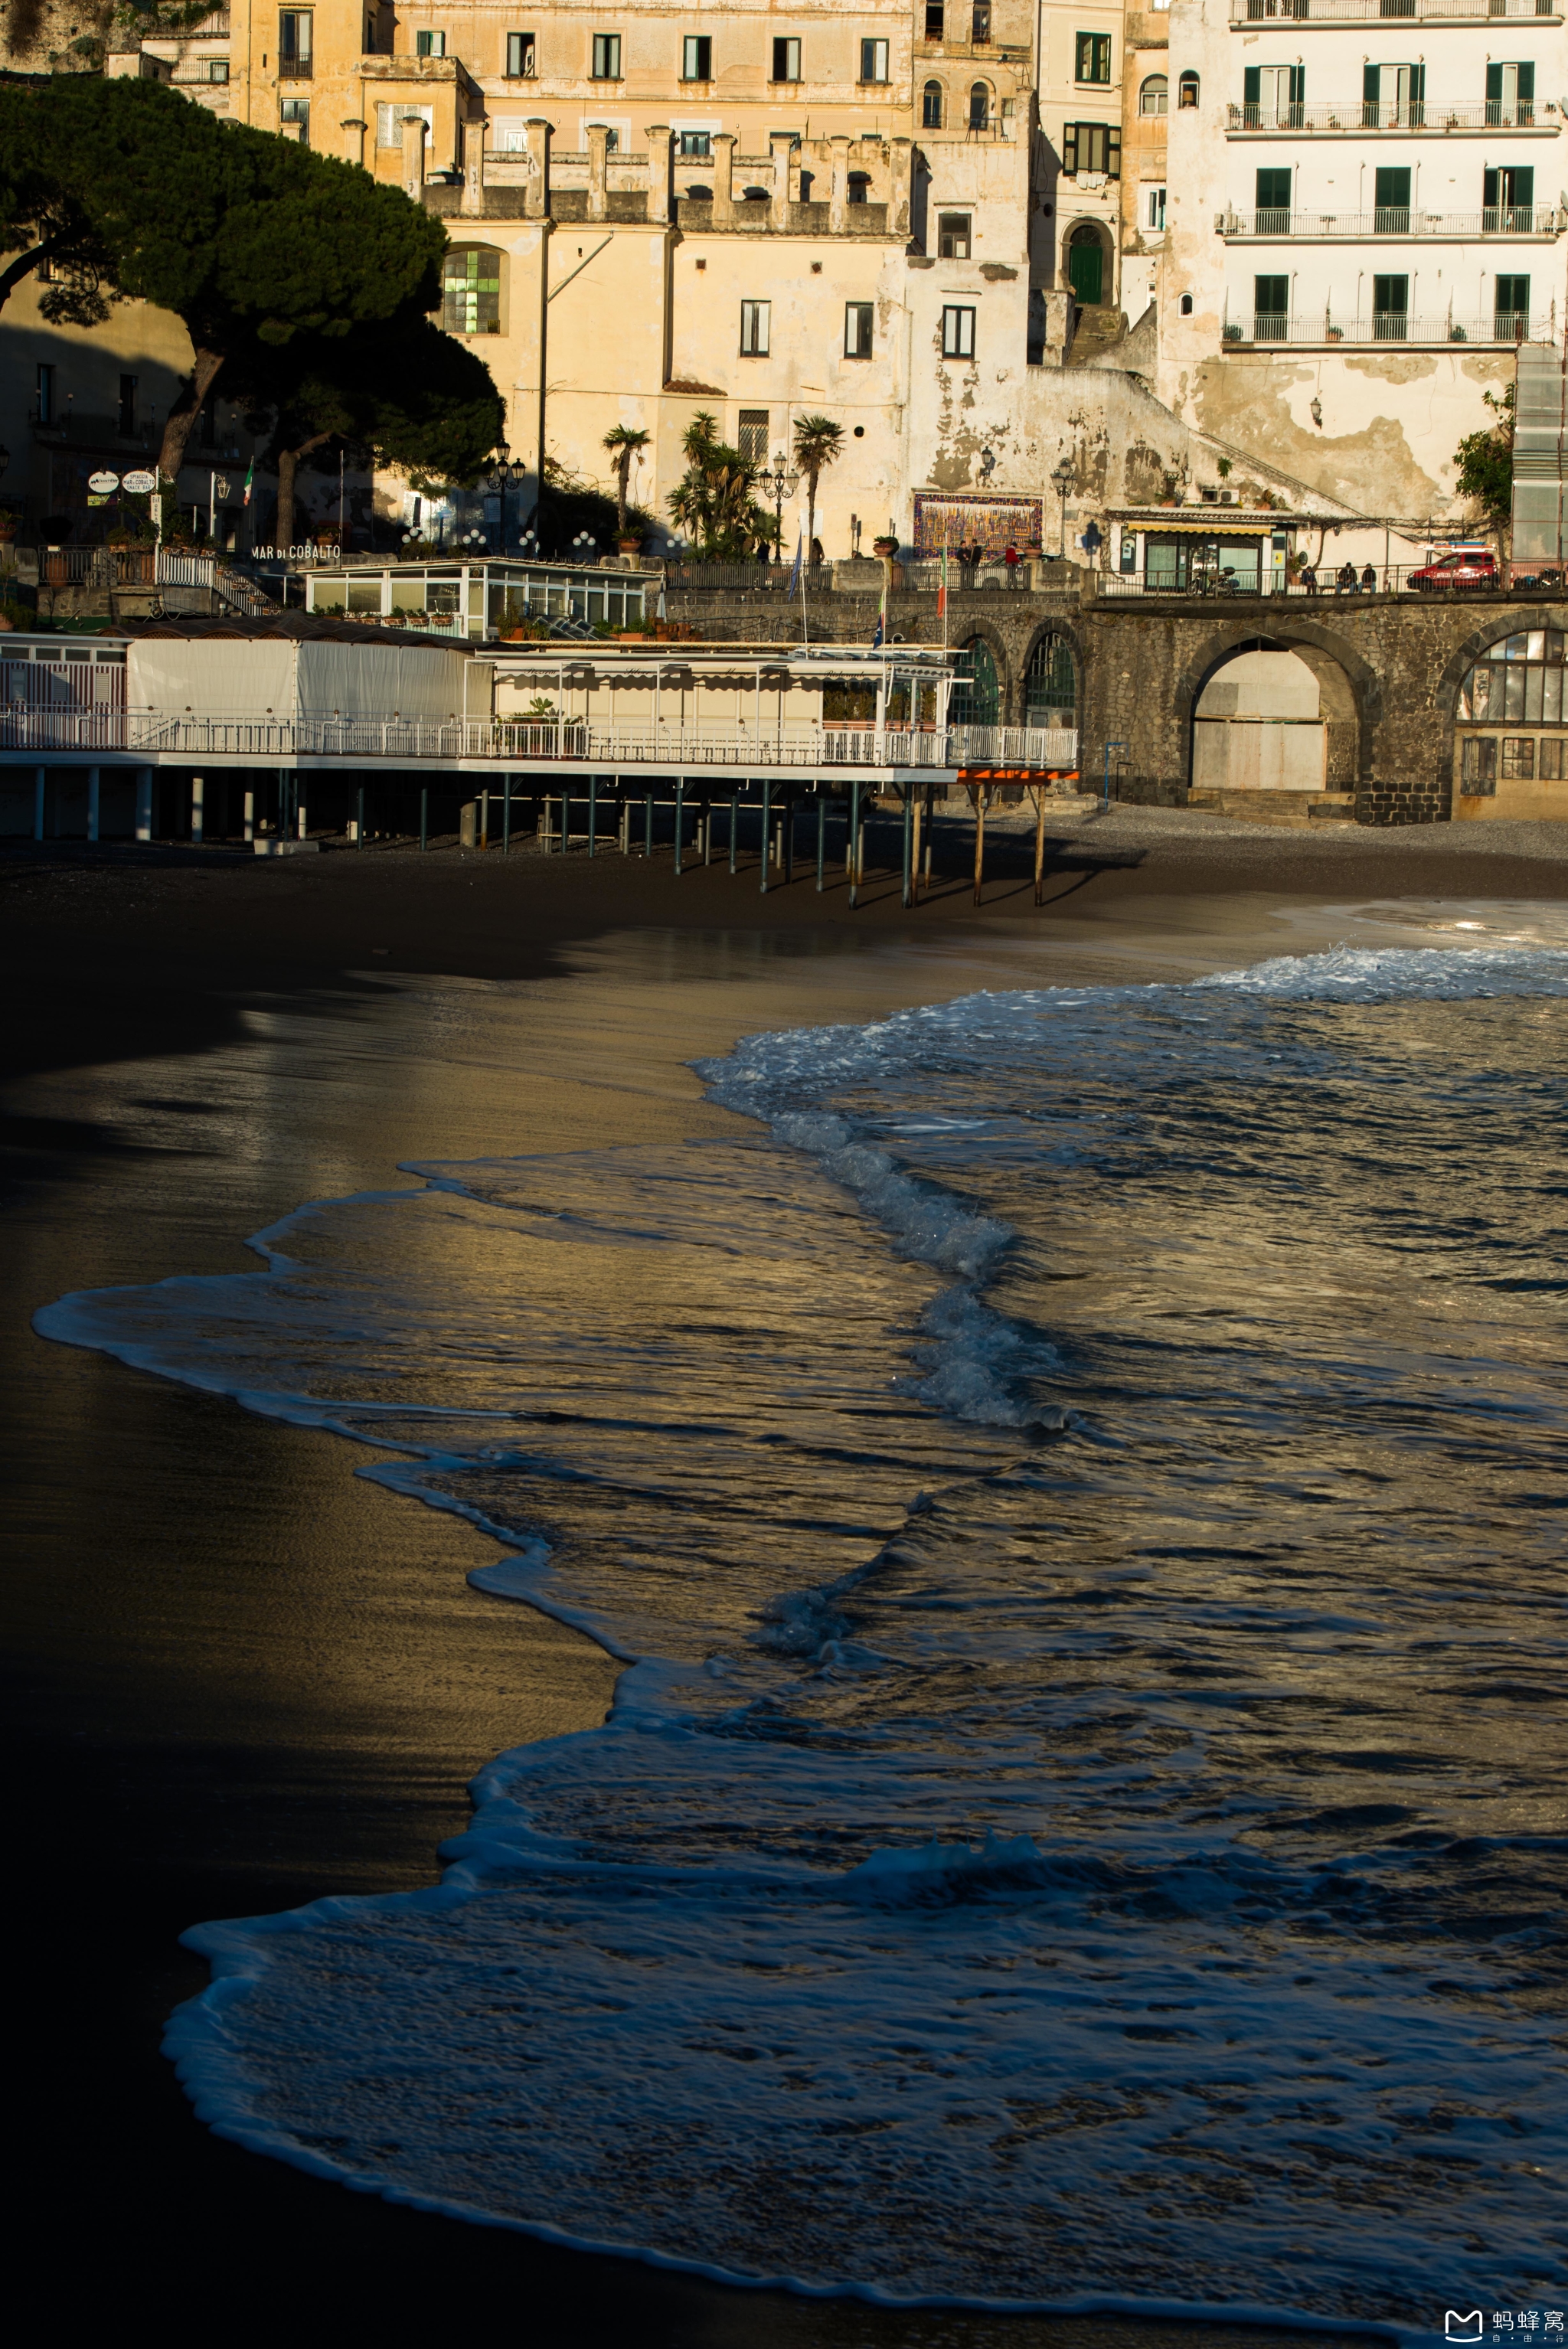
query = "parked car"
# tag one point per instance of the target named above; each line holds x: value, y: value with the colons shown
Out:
x: 1462, y: 566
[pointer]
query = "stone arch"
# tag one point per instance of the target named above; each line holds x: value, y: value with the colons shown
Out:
x: 1063, y: 633
x: 1351, y: 690
x: 1480, y: 640
x: 983, y: 633
x: 1088, y: 237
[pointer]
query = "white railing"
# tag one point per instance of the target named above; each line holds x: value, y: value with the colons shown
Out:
x: 1374, y: 12
x: 1389, y: 326
x: 1394, y: 220
x: 184, y: 570
x: 1373, y: 114
x: 530, y: 742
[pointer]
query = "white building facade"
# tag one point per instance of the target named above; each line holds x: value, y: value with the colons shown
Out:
x: 1366, y: 218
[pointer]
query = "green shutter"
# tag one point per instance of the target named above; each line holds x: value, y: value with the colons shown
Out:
x: 1493, y: 85
x: 1527, y: 84
x: 1298, y: 84
x: 1252, y: 91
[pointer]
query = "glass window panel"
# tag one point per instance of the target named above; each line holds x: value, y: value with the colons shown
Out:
x: 1532, y: 681
x: 1479, y: 690
x: 1514, y: 695
x: 1550, y: 768
x: 1551, y: 697
x: 596, y: 605
x: 1536, y: 643
x: 1516, y: 649
x: 1518, y: 759
x: 1553, y: 645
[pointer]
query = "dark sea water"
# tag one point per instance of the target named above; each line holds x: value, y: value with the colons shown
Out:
x: 1078, y: 1485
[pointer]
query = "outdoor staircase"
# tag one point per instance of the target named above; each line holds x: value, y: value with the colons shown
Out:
x: 1097, y: 330
x: 1290, y: 811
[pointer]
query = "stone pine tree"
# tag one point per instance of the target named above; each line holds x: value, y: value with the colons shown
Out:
x: 250, y: 239
x: 43, y: 224
x: 405, y: 393
x: 817, y: 444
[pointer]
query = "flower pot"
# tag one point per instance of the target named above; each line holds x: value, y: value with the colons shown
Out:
x: 629, y: 545
x: 884, y: 546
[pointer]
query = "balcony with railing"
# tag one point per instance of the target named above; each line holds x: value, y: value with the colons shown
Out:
x: 1352, y: 117
x: 1322, y: 331
x: 1395, y: 220
x: 1383, y: 12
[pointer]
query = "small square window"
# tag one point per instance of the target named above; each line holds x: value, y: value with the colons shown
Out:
x: 751, y: 438
x: 696, y: 58
x: 607, y: 57
x: 858, y: 317
x: 1156, y: 209
x: 1093, y: 55
x: 953, y: 237
x: 754, y: 318
x: 296, y: 117
x: 430, y: 45
x: 521, y: 54
x: 786, y: 60
x: 934, y: 19
x: 1551, y: 768
x: 874, y: 60
x: 980, y: 21
x: 1518, y: 759
x: 957, y: 332
x: 217, y: 69
x: 695, y: 142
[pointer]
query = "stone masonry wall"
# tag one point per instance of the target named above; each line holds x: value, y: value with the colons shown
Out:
x: 1144, y: 664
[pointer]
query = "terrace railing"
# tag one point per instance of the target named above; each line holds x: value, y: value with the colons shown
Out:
x: 1395, y: 220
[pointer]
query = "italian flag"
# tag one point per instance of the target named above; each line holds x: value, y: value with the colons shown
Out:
x: 942, y: 591
x: 250, y: 477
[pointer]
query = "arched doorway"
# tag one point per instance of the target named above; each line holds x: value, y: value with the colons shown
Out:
x: 1050, y: 685
x: 1511, y: 746
x: 1088, y: 274
x: 976, y: 695
x: 1259, y: 725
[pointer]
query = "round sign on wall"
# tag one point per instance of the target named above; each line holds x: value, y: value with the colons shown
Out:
x: 138, y: 485
x: 100, y: 484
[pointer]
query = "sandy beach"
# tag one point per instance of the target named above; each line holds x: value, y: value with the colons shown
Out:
x: 238, y: 1679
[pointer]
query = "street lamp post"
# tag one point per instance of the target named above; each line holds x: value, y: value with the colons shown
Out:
x: 1062, y: 477
x: 778, y: 484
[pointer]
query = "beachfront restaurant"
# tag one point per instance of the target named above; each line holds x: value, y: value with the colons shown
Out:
x: 303, y: 726
x: 476, y: 600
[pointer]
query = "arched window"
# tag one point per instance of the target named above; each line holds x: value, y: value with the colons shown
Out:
x: 1154, y: 96
x: 979, y: 105
x: 1517, y: 682
x: 1185, y: 306
x: 470, y: 290
x: 1050, y: 685
x: 976, y: 696
x: 1187, y: 90
x: 931, y: 107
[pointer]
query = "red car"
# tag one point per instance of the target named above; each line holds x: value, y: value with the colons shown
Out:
x: 1462, y: 566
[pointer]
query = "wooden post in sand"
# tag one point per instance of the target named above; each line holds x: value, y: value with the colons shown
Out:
x: 908, y: 846
x: 917, y: 814
x: 821, y: 835
x: 1039, y: 847
x: 979, y: 838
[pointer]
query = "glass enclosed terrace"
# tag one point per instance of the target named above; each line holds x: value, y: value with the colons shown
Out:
x: 480, y: 599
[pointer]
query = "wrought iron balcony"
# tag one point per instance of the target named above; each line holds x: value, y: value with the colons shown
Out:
x: 1323, y: 331
x: 1383, y: 12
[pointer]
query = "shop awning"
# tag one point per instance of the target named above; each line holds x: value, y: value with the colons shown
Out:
x: 1179, y: 525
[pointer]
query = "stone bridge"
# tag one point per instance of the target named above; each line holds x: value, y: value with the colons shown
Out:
x: 1389, y: 668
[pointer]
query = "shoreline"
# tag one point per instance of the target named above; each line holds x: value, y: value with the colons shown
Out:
x: 246, y: 1678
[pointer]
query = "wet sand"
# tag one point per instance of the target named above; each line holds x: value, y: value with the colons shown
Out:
x: 237, y: 1677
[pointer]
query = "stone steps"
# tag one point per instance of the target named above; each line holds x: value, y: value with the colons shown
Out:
x: 1292, y: 811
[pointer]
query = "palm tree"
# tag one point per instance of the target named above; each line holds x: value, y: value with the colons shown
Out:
x: 624, y: 443
x: 713, y: 502
x: 817, y: 444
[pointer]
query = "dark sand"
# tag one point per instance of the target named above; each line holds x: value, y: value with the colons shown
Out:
x: 237, y: 1678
